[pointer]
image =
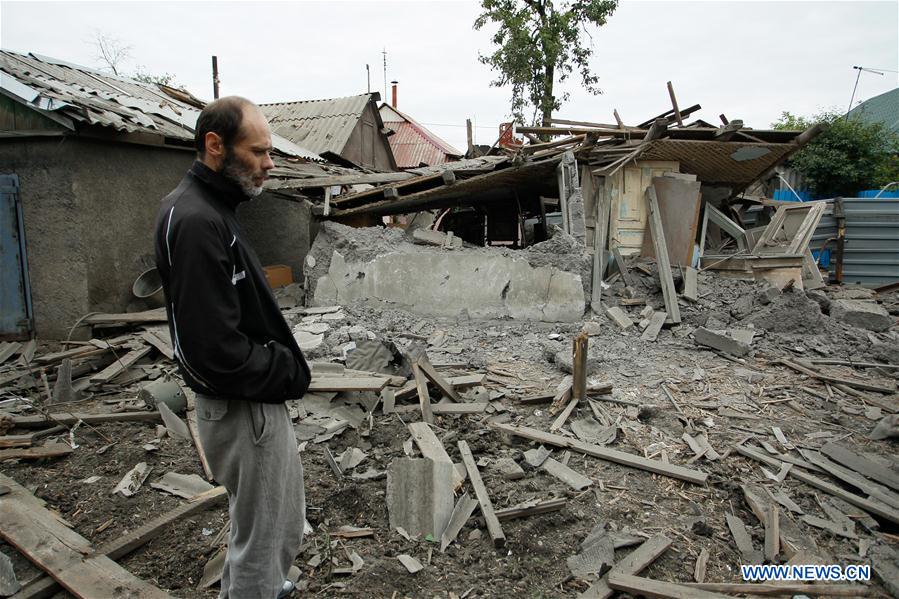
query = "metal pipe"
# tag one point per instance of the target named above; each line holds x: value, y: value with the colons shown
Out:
x: 215, y: 77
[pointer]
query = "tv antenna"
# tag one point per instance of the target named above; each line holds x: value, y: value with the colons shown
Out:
x: 855, y: 87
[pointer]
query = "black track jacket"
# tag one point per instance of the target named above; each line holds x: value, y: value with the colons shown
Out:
x: 229, y: 336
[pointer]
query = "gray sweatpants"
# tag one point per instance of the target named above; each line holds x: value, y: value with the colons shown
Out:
x: 252, y: 451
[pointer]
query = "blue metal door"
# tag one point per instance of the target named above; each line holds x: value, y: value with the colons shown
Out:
x: 16, y: 320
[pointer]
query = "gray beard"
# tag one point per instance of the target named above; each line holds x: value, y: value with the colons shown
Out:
x: 236, y: 172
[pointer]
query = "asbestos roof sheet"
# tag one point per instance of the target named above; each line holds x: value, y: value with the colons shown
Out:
x: 76, y: 94
x: 320, y: 125
x: 413, y: 144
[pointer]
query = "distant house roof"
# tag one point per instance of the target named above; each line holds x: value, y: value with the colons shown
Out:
x: 880, y: 109
x: 413, y: 144
x: 321, y: 125
x: 74, y: 96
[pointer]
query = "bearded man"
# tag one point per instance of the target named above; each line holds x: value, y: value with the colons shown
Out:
x: 234, y: 348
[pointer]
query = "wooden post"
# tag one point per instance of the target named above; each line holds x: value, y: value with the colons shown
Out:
x: 600, y: 233
x: 579, y: 384
x: 480, y: 491
x: 661, y: 248
x: 677, y: 114
x: 470, y: 136
x: 327, y: 209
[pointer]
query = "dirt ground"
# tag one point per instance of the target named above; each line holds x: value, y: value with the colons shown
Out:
x: 729, y: 399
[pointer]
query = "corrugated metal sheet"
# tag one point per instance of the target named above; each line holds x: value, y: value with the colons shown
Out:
x: 87, y: 96
x: 871, y: 243
x: 320, y: 125
x: 412, y: 149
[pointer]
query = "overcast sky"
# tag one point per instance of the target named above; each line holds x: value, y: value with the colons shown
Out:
x: 748, y: 60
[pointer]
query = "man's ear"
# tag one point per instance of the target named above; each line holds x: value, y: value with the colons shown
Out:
x: 215, y: 147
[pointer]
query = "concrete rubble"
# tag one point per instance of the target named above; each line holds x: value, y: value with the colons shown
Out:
x: 382, y: 267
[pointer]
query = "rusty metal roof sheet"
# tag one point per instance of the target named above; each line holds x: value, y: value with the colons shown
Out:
x: 320, y: 125
x: 413, y: 144
x: 72, y: 94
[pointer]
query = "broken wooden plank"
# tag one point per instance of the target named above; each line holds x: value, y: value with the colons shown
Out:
x: 447, y: 409
x: 748, y: 553
x: 661, y: 248
x: 67, y: 556
x: 461, y: 513
x: 160, y: 341
x: 604, y: 453
x: 441, y: 383
x: 45, y: 586
x: 344, y: 384
x: 573, y: 479
x: 155, y: 315
x: 120, y: 365
x: 837, y: 380
x: 690, y: 291
x: 493, y: 525
x: 861, y: 464
x: 626, y: 275
x: 424, y: 397
x: 702, y: 563
x: 579, y: 366
x: 635, y: 562
x: 51, y: 450
x: 876, y: 508
x: 431, y: 447
x: 68, y: 419
x: 646, y: 587
x: 191, y: 417
x: 541, y: 507
x: 656, y: 321
x: 562, y: 395
x: 466, y: 380
x: 772, y: 532
x: 9, y: 441
x: 7, y: 349
x: 870, y: 488
x: 560, y: 420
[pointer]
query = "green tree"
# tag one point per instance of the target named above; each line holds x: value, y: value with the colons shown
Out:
x: 540, y: 43
x: 851, y: 155
x: 143, y: 76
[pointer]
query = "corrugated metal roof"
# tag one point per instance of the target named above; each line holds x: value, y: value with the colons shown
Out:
x: 77, y: 94
x: 413, y: 144
x: 320, y: 125
x: 880, y: 109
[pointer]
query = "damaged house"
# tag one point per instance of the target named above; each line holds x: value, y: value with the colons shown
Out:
x: 538, y: 225
x: 86, y: 157
x: 347, y: 131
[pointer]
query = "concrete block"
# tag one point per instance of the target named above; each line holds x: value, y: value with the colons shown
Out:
x: 420, y: 495
x: 720, y: 342
x: 485, y: 284
x: 618, y: 316
x: 861, y: 313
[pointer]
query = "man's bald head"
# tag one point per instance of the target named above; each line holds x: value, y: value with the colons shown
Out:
x: 224, y: 117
